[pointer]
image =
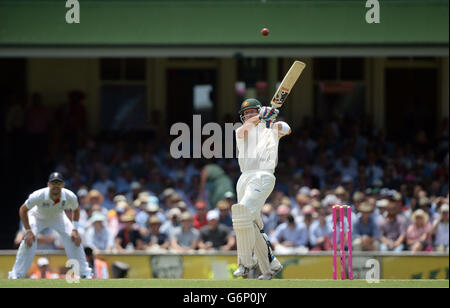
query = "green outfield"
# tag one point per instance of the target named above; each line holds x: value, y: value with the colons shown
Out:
x: 216, y: 283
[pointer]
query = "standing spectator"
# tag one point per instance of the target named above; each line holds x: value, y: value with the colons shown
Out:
x: 185, y: 238
x: 392, y: 230
x: 320, y: 232
x: 215, y: 236
x: 441, y: 230
x: 155, y: 240
x: 218, y: 183
x: 365, y: 230
x: 418, y: 235
x: 290, y: 237
x: 128, y: 237
x: 97, y: 236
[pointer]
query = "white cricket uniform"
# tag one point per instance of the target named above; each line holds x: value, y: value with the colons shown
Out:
x: 257, y: 156
x: 45, y: 213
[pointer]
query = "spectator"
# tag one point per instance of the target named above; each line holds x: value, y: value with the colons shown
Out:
x: 149, y: 207
x: 128, y: 237
x: 172, y: 222
x: 155, y: 240
x: 282, y: 213
x: 200, y: 219
x: 225, y: 215
x: 392, y: 230
x: 290, y: 237
x: 320, y: 232
x: 43, y: 271
x: 185, y: 237
x: 108, y: 203
x: 441, y: 230
x: 365, y: 231
x: 104, y: 182
x: 269, y: 218
x: 218, y: 183
x: 418, y: 235
x: 97, y: 236
x: 215, y: 236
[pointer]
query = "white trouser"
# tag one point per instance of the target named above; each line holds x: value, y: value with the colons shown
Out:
x: 64, y: 227
x: 253, y: 189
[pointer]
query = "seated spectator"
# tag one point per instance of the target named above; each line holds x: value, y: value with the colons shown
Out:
x: 269, y: 218
x: 441, y: 230
x: 97, y: 236
x: 149, y: 207
x: 200, y: 219
x: 94, y: 197
x: 108, y: 202
x: 129, y: 238
x: 418, y: 235
x: 225, y: 216
x: 282, y: 213
x: 392, y: 230
x: 172, y: 222
x: 155, y: 240
x: 320, y: 233
x: 43, y: 271
x: 290, y: 237
x: 365, y: 230
x: 215, y: 236
x: 185, y: 237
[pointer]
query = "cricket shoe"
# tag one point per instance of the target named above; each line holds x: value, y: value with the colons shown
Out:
x: 243, y: 271
x: 275, y: 268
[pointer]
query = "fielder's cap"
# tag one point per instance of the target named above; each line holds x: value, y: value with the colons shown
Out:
x: 55, y: 176
x: 212, y: 215
x: 42, y: 262
x: 444, y: 208
x: 82, y: 192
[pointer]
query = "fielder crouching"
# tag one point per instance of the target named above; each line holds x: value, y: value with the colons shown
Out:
x: 257, y: 142
x: 43, y: 209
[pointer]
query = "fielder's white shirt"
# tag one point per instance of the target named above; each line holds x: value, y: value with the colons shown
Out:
x: 259, y: 150
x: 44, y: 208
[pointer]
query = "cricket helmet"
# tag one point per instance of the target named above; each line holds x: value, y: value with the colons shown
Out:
x: 250, y: 103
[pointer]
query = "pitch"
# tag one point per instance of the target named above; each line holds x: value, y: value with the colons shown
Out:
x: 216, y: 283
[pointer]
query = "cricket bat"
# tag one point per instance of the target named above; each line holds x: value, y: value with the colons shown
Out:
x: 287, y: 84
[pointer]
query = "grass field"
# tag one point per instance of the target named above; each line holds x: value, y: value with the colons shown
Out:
x: 209, y: 283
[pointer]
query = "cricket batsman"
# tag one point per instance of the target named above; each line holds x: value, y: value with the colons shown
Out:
x: 257, y: 143
x: 43, y: 209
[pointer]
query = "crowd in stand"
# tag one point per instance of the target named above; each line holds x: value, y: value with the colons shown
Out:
x: 135, y: 196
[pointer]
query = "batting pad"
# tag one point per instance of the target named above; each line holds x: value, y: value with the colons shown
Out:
x: 245, y: 235
x: 262, y: 250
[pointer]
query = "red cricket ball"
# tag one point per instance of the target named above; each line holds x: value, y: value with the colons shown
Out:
x: 265, y: 31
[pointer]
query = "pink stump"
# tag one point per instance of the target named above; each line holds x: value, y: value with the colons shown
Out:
x: 349, y: 243
x: 341, y: 217
x: 334, y: 244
